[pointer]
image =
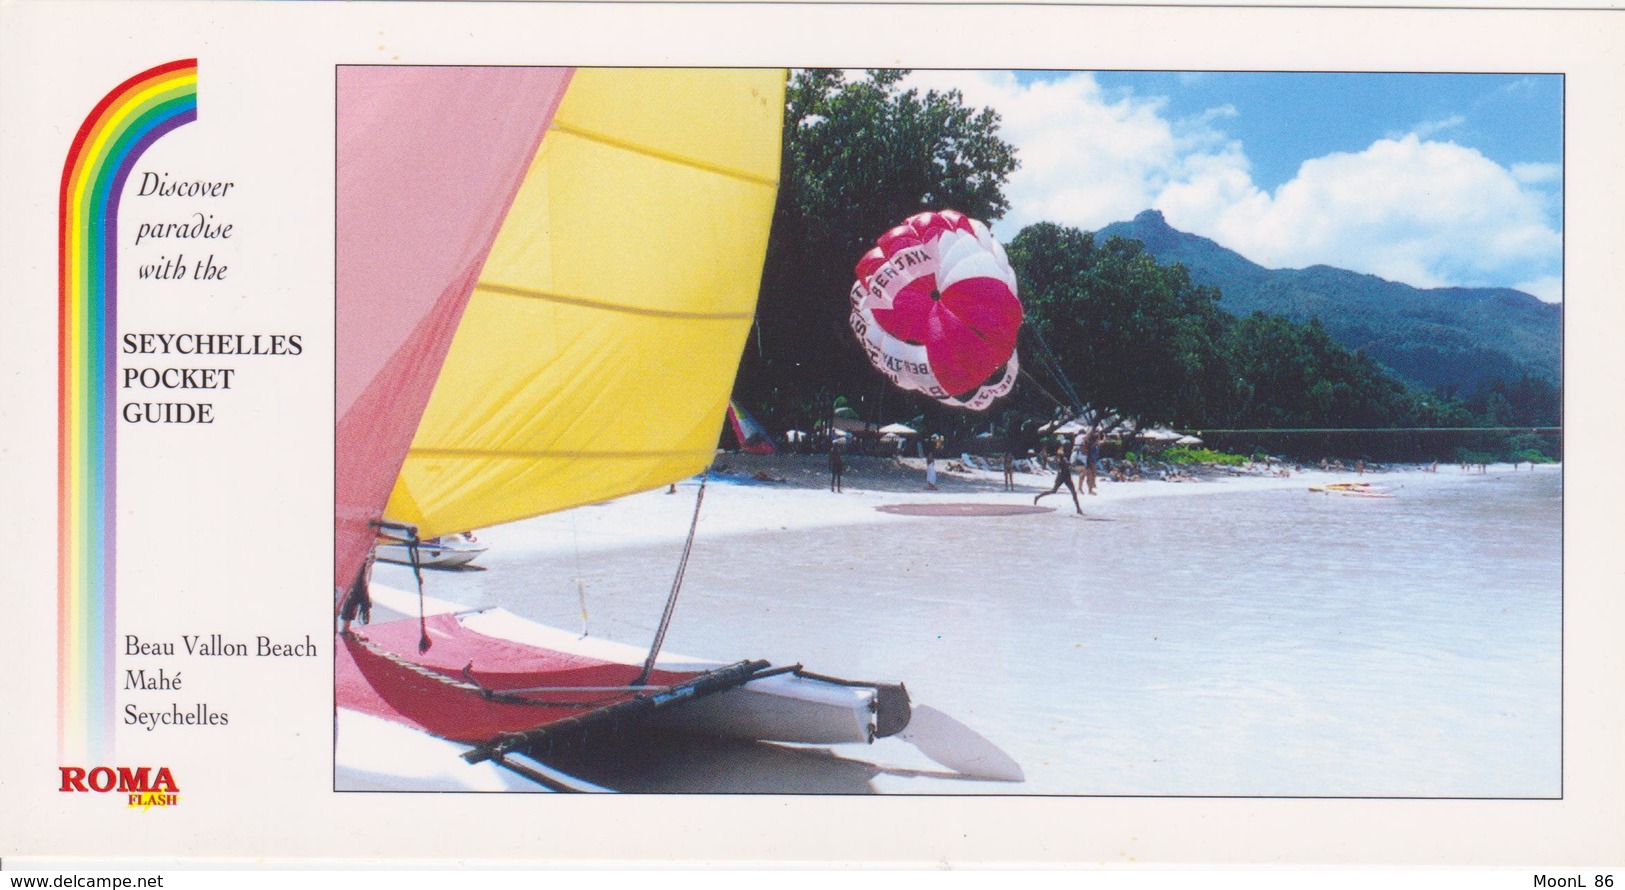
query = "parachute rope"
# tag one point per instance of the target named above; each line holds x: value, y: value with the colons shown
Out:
x: 1393, y: 429
x: 1040, y: 387
x: 1053, y: 366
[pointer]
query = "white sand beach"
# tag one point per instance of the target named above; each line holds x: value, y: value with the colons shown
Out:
x: 753, y: 493
x: 1233, y: 635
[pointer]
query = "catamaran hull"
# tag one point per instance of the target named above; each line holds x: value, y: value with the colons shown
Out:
x: 376, y: 753
x: 433, y: 555
x: 782, y: 708
x: 373, y: 754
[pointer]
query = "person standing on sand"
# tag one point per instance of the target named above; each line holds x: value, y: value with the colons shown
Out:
x: 1063, y: 476
x: 931, y: 464
x: 1091, y: 458
x: 836, y: 466
x: 1009, y: 472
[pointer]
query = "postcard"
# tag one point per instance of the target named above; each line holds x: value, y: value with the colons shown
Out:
x: 1068, y: 435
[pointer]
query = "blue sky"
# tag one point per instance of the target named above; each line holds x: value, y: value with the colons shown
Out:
x: 1431, y: 179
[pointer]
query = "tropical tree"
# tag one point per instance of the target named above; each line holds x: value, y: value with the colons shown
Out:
x: 1127, y: 335
x: 861, y: 153
x: 1528, y: 401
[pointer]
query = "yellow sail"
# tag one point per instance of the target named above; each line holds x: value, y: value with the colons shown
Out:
x: 598, y: 350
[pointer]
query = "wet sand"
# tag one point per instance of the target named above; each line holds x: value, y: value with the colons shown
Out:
x: 1268, y: 642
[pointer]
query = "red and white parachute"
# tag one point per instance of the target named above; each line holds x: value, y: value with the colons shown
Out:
x: 936, y: 310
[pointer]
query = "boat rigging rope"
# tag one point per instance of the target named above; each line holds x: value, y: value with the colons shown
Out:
x: 417, y: 570
x: 676, y: 586
x: 581, y: 586
x: 409, y: 533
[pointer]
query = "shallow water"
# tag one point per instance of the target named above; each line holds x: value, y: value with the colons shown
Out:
x: 1268, y: 643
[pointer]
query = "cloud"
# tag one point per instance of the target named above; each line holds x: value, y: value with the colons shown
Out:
x: 1534, y: 174
x: 1409, y: 207
x: 1429, y: 128
x: 1548, y: 288
x: 1520, y: 87
x: 1087, y: 159
x: 1430, y: 214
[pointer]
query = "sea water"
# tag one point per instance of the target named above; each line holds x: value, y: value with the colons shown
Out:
x: 1272, y: 643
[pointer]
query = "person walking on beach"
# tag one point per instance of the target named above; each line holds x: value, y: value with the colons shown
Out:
x: 836, y: 466
x: 931, y: 464
x: 1091, y: 458
x: 1009, y: 472
x: 1063, y: 476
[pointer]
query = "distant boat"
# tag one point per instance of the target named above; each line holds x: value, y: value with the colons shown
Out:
x: 444, y: 552
x: 1353, y: 489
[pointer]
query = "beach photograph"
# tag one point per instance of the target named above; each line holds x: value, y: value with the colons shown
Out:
x: 1167, y: 434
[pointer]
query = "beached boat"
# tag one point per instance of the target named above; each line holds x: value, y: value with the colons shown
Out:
x: 445, y: 552
x: 546, y: 278
x: 477, y: 691
x: 1353, y: 489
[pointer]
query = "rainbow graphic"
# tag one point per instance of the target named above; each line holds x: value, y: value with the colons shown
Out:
x: 121, y: 127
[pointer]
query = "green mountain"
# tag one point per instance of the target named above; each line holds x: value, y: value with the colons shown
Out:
x: 1449, y: 339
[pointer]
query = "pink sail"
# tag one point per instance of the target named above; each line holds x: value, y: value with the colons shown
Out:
x: 429, y: 161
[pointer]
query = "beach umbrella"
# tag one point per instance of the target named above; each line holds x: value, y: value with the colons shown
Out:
x: 936, y: 310
x: 897, y: 429
x: 1187, y: 440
